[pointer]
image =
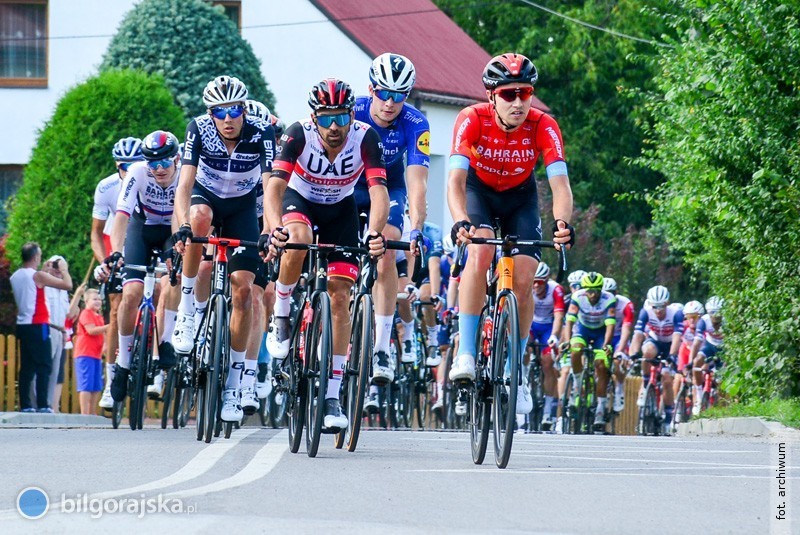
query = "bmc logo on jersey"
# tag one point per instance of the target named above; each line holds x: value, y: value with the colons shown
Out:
x: 424, y: 143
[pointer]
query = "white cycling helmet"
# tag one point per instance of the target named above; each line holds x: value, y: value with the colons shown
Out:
x: 694, y: 307
x: 575, y: 277
x: 257, y: 109
x: 393, y: 72
x: 128, y: 149
x: 447, y: 244
x: 542, y: 272
x: 658, y: 296
x: 609, y: 285
x: 224, y: 90
x: 714, y: 305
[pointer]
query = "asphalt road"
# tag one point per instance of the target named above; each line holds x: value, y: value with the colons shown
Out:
x: 396, y: 482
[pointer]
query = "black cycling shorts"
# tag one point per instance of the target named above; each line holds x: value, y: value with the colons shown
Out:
x: 516, y: 208
x: 402, y: 268
x: 336, y: 224
x: 140, y: 241
x: 233, y: 218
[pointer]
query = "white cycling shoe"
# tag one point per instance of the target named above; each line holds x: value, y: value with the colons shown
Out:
x: 183, y: 335
x: 249, y: 401
x: 463, y: 368
x: 231, y: 409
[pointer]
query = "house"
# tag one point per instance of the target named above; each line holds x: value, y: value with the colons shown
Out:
x: 298, y: 43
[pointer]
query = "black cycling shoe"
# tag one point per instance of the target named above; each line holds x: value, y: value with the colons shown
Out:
x: 166, y: 356
x: 119, y: 385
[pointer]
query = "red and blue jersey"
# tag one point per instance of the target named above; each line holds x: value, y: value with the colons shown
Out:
x: 660, y: 330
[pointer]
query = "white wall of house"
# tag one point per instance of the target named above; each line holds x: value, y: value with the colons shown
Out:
x: 293, y: 58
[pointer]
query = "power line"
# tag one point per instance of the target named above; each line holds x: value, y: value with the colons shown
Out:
x: 595, y: 27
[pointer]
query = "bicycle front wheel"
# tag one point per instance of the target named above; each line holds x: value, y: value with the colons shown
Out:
x: 318, y: 363
x: 506, y: 378
x: 358, y: 370
x: 138, y: 376
x: 216, y: 348
x: 169, y: 395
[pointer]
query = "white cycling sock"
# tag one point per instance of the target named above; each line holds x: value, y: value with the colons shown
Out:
x: 234, y: 378
x: 620, y: 390
x: 383, y: 332
x: 109, y: 374
x: 432, y: 336
x: 408, y: 330
x: 186, y: 305
x: 249, y: 376
x: 283, y: 301
x: 125, y: 349
x: 335, y: 382
x: 169, y: 325
x: 601, y: 405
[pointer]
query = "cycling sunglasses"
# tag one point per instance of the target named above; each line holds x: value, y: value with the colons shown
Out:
x: 325, y: 121
x: 166, y: 163
x: 396, y: 96
x: 510, y: 94
x: 234, y: 111
x: 123, y: 166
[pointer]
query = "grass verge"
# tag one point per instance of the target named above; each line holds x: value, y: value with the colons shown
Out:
x: 785, y: 411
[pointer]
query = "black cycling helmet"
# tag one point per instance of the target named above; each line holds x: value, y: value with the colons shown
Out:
x: 160, y: 145
x: 331, y: 94
x: 509, y: 69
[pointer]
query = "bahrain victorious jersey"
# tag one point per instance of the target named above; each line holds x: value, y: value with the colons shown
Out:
x: 503, y: 160
x: 303, y: 161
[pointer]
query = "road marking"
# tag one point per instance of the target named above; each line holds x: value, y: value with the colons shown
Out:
x: 259, y: 466
x: 561, y: 456
x: 568, y: 473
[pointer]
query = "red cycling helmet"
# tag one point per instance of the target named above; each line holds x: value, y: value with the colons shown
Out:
x: 507, y: 69
x: 331, y: 94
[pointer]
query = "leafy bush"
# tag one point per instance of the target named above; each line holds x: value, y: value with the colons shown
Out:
x: 188, y: 42
x: 8, y: 309
x: 727, y: 117
x: 54, y: 203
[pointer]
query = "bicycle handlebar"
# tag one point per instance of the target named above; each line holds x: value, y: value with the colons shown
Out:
x: 513, y: 240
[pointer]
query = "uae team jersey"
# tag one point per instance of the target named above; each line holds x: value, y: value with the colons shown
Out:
x: 303, y: 161
x: 407, y: 139
x: 504, y: 160
x: 223, y: 174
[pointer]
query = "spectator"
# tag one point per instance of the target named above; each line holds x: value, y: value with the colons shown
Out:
x: 88, y: 352
x: 33, y: 330
x: 72, y: 318
x: 58, y: 306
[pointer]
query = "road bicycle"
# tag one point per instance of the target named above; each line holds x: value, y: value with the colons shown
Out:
x: 498, y: 370
x: 650, y: 413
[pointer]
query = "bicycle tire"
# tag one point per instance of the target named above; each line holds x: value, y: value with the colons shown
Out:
x: 537, y: 395
x: 567, y: 410
x: 295, y: 396
x: 138, y: 390
x: 422, y: 398
x: 407, y: 395
x: 169, y: 395
x: 358, y: 370
x: 448, y: 404
x: 277, y: 411
x: 506, y: 349
x: 649, y: 411
x: 117, y: 413
x: 705, y: 401
x: 479, y: 395
x: 200, y: 405
x: 216, y: 343
x: 319, y: 364
x: 588, y: 402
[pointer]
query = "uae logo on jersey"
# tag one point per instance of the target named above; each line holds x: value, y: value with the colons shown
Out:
x: 424, y: 143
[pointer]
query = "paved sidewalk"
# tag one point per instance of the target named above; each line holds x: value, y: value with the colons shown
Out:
x: 745, y: 426
x: 35, y: 419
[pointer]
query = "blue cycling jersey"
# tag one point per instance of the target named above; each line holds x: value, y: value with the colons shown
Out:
x: 409, y: 136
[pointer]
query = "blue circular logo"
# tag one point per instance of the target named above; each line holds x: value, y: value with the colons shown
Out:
x: 33, y: 503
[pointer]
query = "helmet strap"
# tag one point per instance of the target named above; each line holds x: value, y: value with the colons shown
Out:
x: 500, y: 120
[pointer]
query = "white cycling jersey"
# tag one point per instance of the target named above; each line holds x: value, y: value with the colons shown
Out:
x: 143, y: 198
x: 106, y: 195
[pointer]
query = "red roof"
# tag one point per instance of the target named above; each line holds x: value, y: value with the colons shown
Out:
x: 447, y: 60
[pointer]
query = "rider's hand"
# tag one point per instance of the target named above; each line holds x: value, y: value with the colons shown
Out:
x: 113, y: 261
x: 620, y: 355
x: 552, y: 341
x: 437, y: 302
x: 563, y: 232
x: 413, y: 293
x: 420, y: 244
x: 100, y: 274
x: 181, y: 237
x: 263, y: 245
x: 277, y: 241
x: 563, y: 347
x: 462, y: 231
x: 376, y: 243
x: 609, y: 349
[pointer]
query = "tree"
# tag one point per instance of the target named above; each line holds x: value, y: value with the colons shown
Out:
x: 189, y: 43
x: 726, y: 115
x: 54, y: 203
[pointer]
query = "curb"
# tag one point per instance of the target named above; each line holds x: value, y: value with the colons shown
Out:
x: 750, y: 426
x: 26, y: 419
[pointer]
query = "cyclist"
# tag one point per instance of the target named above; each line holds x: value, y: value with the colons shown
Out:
x: 594, y: 310
x: 658, y: 333
x: 226, y: 153
x: 318, y: 164
x: 548, y: 319
x: 143, y: 222
x: 691, y: 315
x: 708, y: 344
x: 126, y: 151
x: 623, y: 330
x: 405, y: 137
x: 565, y: 363
x: 495, y: 147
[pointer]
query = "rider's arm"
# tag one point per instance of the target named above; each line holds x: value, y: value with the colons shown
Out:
x: 189, y: 161
x: 100, y: 214
x: 418, y: 151
x: 677, y: 334
x: 558, y: 310
x: 638, y: 332
x: 128, y: 198
x: 267, y: 153
x: 465, y: 135
x: 435, y: 274
x: 118, y: 232
x: 572, y: 317
x: 699, y: 337
x: 417, y: 183
x: 375, y: 173
x: 292, y: 144
x: 548, y: 141
x: 627, y: 327
x: 610, y: 323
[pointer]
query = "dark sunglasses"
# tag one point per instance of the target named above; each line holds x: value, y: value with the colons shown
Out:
x: 325, y: 121
x: 385, y: 94
x: 510, y: 94
x: 659, y: 307
x: 123, y: 166
x: 234, y: 111
x: 166, y: 163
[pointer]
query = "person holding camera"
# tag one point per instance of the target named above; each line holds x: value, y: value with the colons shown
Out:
x: 33, y: 329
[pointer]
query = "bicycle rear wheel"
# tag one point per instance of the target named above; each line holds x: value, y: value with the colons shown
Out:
x: 567, y: 410
x: 537, y: 395
x: 648, y: 413
x: 357, y: 372
x: 480, y: 400
x: 588, y: 403
x: 169, y: 395
x: 318, y: 364
x: 506, y: 378
x: 117, y: 413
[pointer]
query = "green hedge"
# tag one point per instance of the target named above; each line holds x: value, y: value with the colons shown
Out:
x: 54, y: 203
x: 188, y: 42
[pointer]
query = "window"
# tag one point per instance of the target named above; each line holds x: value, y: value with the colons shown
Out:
x: 23, y: 43
x: 233, y: 9
x: 10, y: 180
